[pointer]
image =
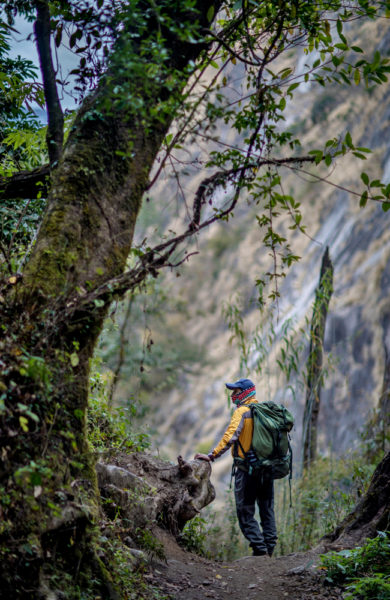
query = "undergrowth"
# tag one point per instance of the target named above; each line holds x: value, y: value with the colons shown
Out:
x: 111, y: 427
x: 215, y: 535
x: 128, y: 576
x: 321, y: 498
x: 364, y: 572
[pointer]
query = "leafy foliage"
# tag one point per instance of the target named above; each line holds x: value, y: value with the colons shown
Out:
x: 215, y: 536
x: 194, y: 535
x: 320, y: 500
x: 111, y: 427
x: 22, y: 140
x: 364, y: 571
x: 157, y: 352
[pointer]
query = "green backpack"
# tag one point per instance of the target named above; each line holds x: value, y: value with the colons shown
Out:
x: 270, y: 452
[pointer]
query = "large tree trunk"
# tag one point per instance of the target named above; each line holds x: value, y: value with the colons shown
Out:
x: 49, y: 493
x: 372, y: 513
x: 314, y: 361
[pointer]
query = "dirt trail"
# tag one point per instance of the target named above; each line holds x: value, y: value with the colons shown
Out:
x: 187, y: 576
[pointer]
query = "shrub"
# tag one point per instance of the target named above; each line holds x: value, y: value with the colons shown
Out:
x: 216, y: 535
x: 111, y: 427
x: 365, y: 571
x: 321, y: 498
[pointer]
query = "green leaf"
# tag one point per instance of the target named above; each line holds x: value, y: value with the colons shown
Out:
x: 328, y: 160
x: 32, y: 416
x: 210, y: 13
x: 58, y: 37
x: 336, y: 60
x: 74, y: 359
x: 363, y: 199
x: 78, y: 413
x: 99, y: 303
x: 318, y: 154
x: 364, y: 177
x: 292, y: 87
x: 340, y: 32
x: 362, y: 149
x: 285, y: 73
x: 348, y: 140
x: 357, y: 76
x: 385, y: 206
x: 23, y: 423
x: 356, y: 49
x: 72, y: 39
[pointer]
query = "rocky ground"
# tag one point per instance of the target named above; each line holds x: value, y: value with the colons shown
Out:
x: 186, y: 576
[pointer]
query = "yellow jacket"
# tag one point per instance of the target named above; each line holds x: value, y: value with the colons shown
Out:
x: 240, y: 428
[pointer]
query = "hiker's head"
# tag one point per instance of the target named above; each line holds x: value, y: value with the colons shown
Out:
x: 241, y: 390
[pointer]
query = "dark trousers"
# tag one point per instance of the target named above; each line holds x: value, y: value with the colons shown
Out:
x: 248, y: 490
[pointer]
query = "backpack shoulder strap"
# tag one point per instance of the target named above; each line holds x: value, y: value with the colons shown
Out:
x: 236, y: 444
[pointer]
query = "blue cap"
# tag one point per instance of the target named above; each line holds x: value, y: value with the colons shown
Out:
x: 241, y: 384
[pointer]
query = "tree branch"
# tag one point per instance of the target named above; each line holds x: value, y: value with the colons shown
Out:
x: 55, y: 130
x: 25, y: 184
x: 158, y: 257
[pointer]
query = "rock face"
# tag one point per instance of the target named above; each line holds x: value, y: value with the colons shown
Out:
x: 192, y: 416
x: 146, y: 490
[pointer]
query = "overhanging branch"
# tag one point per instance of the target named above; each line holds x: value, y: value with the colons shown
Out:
x: 160, y: 256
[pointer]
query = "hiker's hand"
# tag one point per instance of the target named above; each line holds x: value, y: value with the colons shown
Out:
x: 202, y: 457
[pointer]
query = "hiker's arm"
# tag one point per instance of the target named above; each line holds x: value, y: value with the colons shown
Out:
x: 231, y: 434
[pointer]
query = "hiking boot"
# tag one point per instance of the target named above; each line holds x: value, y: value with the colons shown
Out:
x: 258, y: 552
x: 270, y: 551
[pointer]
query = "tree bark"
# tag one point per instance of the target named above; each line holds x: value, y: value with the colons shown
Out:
x: 372, y: 513
x: 381, y: 423
x: 55, y: 126
x: 169, y: 495
x: 315, y: 359
x: 49, y: 497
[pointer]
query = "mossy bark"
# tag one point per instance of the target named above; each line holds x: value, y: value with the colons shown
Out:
x: 371, y: 514
x: 315, y: 360
x: 49, y: 501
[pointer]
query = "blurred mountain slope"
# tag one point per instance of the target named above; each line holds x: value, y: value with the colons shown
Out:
x: 190, y: 413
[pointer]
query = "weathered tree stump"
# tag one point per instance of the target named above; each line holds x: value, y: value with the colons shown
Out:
x: 145, y: 489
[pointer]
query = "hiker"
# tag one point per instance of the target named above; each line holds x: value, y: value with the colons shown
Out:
x: 248, y: 488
